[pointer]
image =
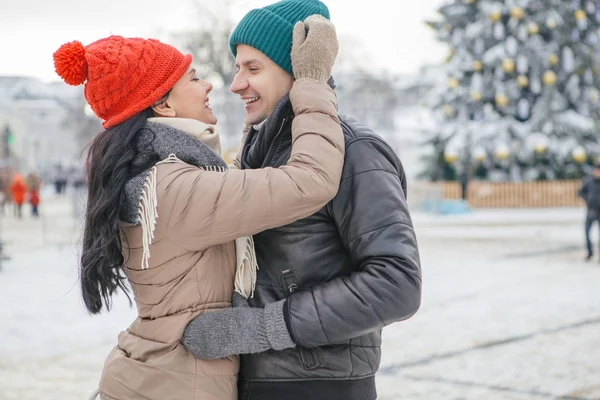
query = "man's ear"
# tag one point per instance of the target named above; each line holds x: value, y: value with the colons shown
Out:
x: 163, y: 110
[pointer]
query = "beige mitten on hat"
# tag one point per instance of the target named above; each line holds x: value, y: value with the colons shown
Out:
x: 314, y: 49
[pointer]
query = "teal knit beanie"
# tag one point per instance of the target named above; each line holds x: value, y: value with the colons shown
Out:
x: 269, y: 29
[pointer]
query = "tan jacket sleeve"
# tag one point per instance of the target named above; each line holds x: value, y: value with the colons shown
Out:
x: 210, y: 208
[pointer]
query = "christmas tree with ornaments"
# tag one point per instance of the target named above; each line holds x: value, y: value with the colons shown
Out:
x: 520, y: 100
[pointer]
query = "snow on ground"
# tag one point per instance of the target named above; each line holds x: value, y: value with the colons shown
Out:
x: 510, y: 311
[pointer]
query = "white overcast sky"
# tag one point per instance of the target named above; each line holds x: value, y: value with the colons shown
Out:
x: 392, y: 32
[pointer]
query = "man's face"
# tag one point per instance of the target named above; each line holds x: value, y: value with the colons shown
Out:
x: 259, y: 82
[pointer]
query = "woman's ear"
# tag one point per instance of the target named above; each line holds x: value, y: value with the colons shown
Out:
x: 163, y: 110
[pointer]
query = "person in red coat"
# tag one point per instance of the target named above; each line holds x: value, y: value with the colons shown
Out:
x: 34, y: 200
x: 33, y: 186
x: 18, y: 190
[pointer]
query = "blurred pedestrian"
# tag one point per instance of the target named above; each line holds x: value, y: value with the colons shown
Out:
x: 60, y: 179
x: 590, y: 193
x: 33, y: 194
x: 463, y: 179
x: 34, y: 200
x: 79, y: 192
x: 4, y: 193
x: 18, y: 190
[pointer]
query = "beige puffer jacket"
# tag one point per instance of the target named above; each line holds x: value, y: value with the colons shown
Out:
x: 192, y: 258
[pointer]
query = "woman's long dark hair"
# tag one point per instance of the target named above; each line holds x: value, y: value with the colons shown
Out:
x: 114, y: 157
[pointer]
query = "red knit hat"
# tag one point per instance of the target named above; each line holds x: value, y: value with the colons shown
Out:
x: 122, y: 76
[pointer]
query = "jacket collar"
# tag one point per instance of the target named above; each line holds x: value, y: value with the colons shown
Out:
x: 266, y: 136
x: 268, y: 141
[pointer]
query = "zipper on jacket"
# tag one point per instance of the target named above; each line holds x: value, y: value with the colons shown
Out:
x: 308, y: 357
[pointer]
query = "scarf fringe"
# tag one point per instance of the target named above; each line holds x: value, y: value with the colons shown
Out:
x: 247, y: 266
x: 148, y: 210
x: 245, y: 274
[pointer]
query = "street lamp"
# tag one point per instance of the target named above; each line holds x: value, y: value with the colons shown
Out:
x: 8, y: 139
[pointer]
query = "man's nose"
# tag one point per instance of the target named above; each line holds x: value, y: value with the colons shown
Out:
x: 239, y: 84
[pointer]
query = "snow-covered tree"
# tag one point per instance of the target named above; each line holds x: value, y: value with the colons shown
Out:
x: 521, y: 100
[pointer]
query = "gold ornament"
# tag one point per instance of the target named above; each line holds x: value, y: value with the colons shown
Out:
x: 496, y: 16
x: 476, y: 95
x: 479, y: 155
x: 477, y: 66
x: 522, y: 81
x: 579, y: 155
x: 453, y: 83
x: 470, y: 1
x: 533, y: 29
x: 508, y: 65
x: 553, y: 59
x: 549, y: 78
x: 502, y: 152
x: 580, y: 15
x: 540, y: 148
x: 502, y: 100
x: 450, y: 157
x: 551, y: 23
x: 517, y: 12
x: 448, y: 110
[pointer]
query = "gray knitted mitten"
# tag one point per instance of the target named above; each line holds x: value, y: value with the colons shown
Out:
x: 238, y: 330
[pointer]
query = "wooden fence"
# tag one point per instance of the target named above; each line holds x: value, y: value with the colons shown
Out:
x: 517, y: 195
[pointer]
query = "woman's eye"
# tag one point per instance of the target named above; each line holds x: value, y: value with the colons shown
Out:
x: 195, y: 78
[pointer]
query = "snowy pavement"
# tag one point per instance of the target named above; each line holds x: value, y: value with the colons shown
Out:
x: 509, y: 312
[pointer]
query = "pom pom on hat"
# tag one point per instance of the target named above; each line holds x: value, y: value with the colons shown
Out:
x: 70, y: 63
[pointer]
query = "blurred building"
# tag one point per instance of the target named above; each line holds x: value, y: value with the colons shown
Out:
x: 37, y: 116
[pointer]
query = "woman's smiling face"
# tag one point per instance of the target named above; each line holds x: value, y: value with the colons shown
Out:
x: 189, y: 99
